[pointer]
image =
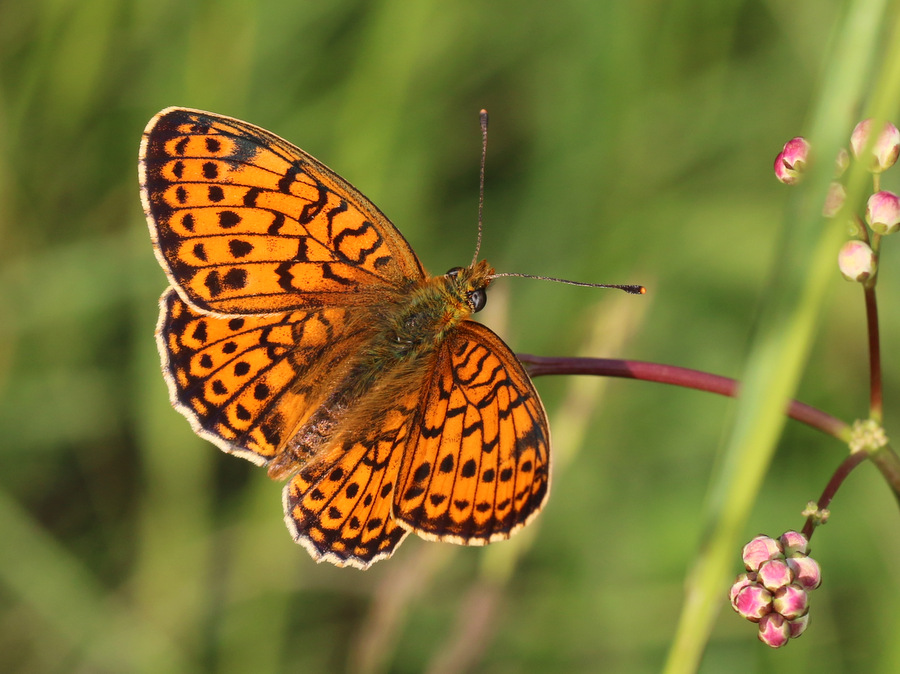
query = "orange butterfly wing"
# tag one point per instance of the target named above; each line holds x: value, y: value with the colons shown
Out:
x: 243, y: 222
x: 342, y: 512
x: 478, y: 466
x: 247, y: 382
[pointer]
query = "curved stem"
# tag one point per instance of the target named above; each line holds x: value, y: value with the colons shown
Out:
x: 677, y: 376
x: 888, y: 463
x: 831, y: 488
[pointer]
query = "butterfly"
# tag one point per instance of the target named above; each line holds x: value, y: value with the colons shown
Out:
x: 302, y: 333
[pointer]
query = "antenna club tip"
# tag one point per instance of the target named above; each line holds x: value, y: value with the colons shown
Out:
x: 632, y: 289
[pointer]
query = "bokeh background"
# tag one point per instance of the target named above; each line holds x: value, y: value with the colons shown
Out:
x: 631, y: 142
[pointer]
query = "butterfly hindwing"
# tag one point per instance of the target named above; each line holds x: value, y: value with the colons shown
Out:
x: 340, y: 508
x: 478, y: 466
x: 244, y: 222
x: 247, y: 382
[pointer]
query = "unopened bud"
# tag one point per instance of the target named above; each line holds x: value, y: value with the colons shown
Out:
x: 774, y: 574
x: 806, y: 571
x: 883, y: 212
x: 791, y: 161
x: 774, y: 630
x: 856, y: 261
x: 799, y: 625
x: 753, y: 602
x: 885, y: 150
x: 742, y: 581
x: 760, y: 549
x: 841, y: 162
x: 791, y: 601
x: 794, y: 542
x: 835, y: 198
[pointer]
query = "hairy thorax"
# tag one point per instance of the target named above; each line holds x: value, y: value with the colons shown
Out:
x: 388, y: 365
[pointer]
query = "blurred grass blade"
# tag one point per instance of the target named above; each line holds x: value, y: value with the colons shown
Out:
x: 78, y: 615
x: 805, y: 268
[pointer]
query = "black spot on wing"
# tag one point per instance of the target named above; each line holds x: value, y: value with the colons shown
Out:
x: 239, y: 248
x: 469, y: 468
x: 213, y: 283
x: 235, y: 279
x: 447, y: 464
x: 228, y: 219
x: 251, y: 196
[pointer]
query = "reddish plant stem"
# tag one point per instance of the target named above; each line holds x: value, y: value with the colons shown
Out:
x: 875, y: 389
x: 831, y: 488
x: 677, y: 376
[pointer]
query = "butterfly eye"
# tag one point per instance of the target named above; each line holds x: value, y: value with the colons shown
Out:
x: 453, y: 273
x: 477, y: 300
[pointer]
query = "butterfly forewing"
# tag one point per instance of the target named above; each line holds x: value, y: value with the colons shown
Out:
x: 244, y: 222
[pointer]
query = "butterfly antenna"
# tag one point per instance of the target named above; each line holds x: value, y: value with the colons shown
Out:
x: 483, y: 116
x: 633, y: 289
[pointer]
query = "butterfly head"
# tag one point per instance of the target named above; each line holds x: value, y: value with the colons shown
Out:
x: 470, y: 284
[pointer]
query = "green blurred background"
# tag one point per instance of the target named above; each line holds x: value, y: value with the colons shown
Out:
x: 630, y: 143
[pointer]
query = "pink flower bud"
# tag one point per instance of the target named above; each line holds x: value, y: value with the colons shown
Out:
x: 774, y: 574
x: 883, y: 212
x: 753, y: 602
x: 791, y: 161
x: 791, y: 601
x: 760, y: 549
x: 885, y: 150
x: 806, y: 571
x: 796, y: 152
x: 794, y: 542
x: 774, y: 630
x: 841, y: 162
x: 856, y: 261
x: 798, y: 625
x: 837, y: 193
x: 742, y: 581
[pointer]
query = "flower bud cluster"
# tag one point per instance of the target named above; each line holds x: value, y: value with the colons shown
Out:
x: 857, y: 260
x: 774, y: 591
